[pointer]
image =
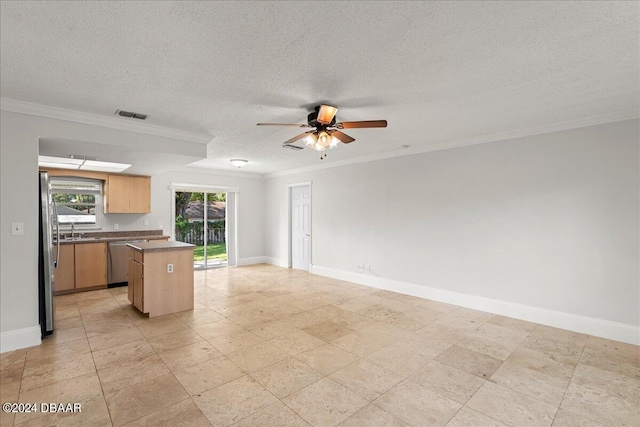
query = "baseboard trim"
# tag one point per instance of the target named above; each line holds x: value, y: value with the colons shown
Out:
x: 280, y: 262
x: 558, y: 319
x: 19, y: 338
x: 251, y: 260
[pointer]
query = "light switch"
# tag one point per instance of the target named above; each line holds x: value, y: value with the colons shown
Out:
x: 17, y: 228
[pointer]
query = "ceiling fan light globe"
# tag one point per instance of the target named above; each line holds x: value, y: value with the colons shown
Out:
x: 324, y: 138
x: 334, y: 142
x: 310, y: 139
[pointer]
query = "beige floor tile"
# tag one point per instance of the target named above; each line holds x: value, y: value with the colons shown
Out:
x: 296, y: 342
x: 11, y: 379
x: 173, y: 340
x: 217, y: 328
x: 398, y: 360
x: 192, y: 317
x: 547, y: 363
x: 130, y: 373
x: 144, y: 398
x: 600, y: 380
x: 511, y: 407
x: 467, y: 417
x: 324, y: 403
x: 76, y: 390
x: 125, y: 353
x: 509, y: 322
x: 234, y: 401
x: 256, y: 357
x: 366, y: 379
x: 161, y: 326
x: 569, y: 419
x: 114, y: 339
x: 470, y: 361
x: 326, y: 358
x: 417, y: 406
x: 372, y: 416
x: 185, y: 413
x: 274, y: 415
x: 273, y: 329
x: 236, y: 341
x: 329, y: 330
x: 422, y: 345
x: 70, y: 323
x: 447, y: 381
x: 65, y: 335
x: 377, y: 312
x: 446, y: 331
x: 599, y: 406
x: 57, y: 369
x: 286, y: 377
x: 189, y: 355
x: 36, y: 355
x: 561, y: 351
x: 363, y: 344
x: 207, y: 375
x: 536, y: 384
x: 623, y: 359
x: 494, y: 340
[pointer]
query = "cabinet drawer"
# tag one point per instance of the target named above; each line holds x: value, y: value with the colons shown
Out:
x: 137, y: 256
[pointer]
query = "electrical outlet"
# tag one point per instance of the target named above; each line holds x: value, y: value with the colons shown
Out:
x: 169, y: 268
x: 116, y: 226
x: 17, y: 228
x: 145, y: 222
x: 159, y: 225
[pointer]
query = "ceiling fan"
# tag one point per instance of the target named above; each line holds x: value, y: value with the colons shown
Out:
x: 327, y: 133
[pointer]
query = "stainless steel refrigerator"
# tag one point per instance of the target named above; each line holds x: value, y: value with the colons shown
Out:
x: 47, y: 259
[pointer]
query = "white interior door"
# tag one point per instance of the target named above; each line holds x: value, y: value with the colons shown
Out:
x: 301, y: 227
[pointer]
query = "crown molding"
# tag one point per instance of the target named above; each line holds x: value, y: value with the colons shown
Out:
x: 556, y: 127
x: 22, y: 107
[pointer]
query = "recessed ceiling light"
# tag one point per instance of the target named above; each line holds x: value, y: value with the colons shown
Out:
x: 239, y: 162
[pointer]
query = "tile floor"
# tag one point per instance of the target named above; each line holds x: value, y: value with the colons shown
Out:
x: 267, y: 346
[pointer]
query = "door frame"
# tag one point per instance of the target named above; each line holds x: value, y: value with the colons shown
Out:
x: 290, y: 222
x: 232, y: 258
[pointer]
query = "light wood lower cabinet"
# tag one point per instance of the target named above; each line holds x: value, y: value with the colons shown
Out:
x: 91, y: 265
x: 136, y: 281
x: 65, y: 272
x: 81, y: 266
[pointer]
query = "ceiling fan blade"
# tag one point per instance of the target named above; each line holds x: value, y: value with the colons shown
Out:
x: 297, y: 137
x: 343, y: 137
x: 285, y: 124
x: 326, y: 113
x: 362, y: 124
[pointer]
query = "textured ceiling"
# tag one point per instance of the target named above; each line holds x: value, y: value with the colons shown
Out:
x: 439, y: 72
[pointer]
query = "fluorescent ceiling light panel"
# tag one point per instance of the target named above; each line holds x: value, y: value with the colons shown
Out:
x: 76, y: 163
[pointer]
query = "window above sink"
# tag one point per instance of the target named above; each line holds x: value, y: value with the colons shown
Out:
x: 78, y: 201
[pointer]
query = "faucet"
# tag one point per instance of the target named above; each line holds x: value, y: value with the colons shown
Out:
x: 73, y: 232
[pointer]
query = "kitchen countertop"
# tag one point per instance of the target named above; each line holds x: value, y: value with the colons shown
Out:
x: 111, y: 239
x: 160, y: 246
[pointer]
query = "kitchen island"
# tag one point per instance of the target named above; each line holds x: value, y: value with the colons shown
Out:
x: 161, y: 277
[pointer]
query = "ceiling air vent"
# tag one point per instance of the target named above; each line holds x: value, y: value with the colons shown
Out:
x: 131, y: 115
x: 292, y: 147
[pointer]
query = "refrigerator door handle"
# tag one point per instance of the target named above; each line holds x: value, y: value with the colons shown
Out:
x: 55, y: 209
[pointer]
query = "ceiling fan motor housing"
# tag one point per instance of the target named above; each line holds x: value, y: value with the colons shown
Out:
x: 312, y: 120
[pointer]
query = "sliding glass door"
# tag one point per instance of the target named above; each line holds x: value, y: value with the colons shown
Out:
x: 200, y: 219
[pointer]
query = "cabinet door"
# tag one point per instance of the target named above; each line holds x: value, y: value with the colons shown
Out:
x: 138, y: 286
x: 131, y: 275
x: 117, y: 194
x: 139, y: 194
x: 65, y: 274
x: 91, y: 265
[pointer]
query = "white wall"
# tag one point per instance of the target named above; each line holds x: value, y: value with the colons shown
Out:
x: 20, y: 134
x: 548, y: 221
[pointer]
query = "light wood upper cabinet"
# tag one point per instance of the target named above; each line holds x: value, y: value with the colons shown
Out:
x: 128, y: 194
x: 65, y: 273
x: 91, y: 265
